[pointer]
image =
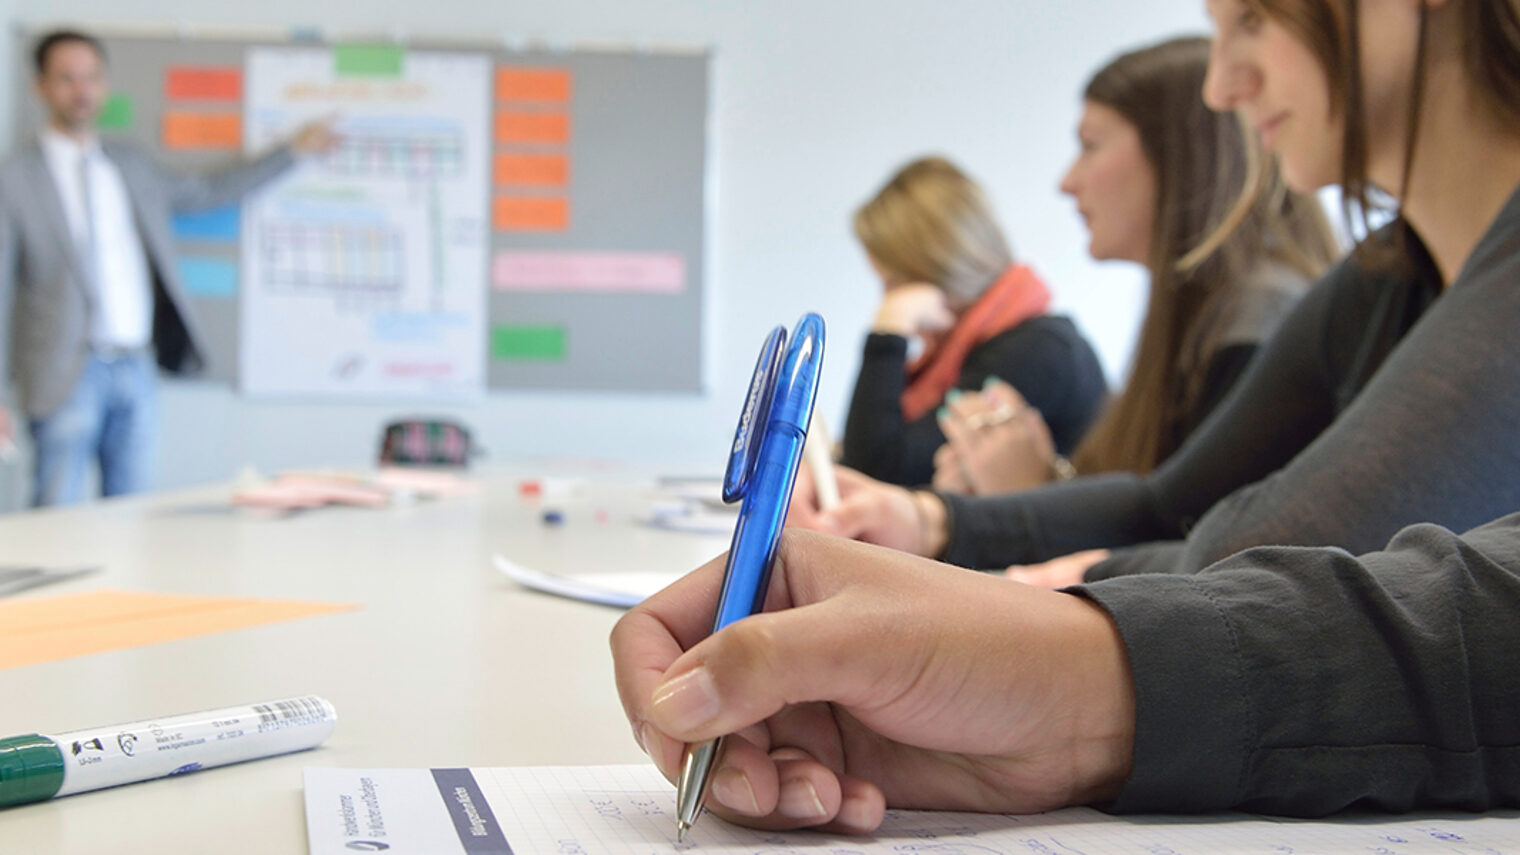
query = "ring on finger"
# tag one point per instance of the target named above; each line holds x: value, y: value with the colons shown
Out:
x: 989, y: 418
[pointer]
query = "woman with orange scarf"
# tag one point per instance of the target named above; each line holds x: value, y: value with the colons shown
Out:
x: 953, y: 288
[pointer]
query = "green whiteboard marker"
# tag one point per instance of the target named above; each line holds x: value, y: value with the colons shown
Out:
x: 37, y: 767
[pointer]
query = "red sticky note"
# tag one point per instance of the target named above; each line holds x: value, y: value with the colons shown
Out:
x: 184, y: 131
x: 203, y: 83
x: 530, y: 214
x: 532, y: 84
x: 537, y: 170
x: 516, y: 127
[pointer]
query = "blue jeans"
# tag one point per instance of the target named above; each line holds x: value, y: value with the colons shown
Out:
x: 112, y: 419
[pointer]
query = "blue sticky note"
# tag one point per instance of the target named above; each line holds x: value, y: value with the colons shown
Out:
x: 208, y: 277
x: 215, y: 224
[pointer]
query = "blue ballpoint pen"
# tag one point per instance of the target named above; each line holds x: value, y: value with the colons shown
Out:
x: 762, y: 468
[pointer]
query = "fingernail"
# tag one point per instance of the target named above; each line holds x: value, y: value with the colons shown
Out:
x: 800, y: 801
x: 686, y: 702
x: 638, y: 736
x: 942, y: 413
x: 854, y: 814
x: 953, y: 395
x: 992, y: 380
x: 731, y: 787
x: 645, y: 737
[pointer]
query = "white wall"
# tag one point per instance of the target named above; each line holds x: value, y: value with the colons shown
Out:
x: 814, y: 103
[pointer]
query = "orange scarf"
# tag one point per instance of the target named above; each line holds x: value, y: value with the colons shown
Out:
x: 1014, y: 298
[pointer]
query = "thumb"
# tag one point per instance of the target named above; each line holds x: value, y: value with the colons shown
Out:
x: 813, y: 651
x: 744, y: 674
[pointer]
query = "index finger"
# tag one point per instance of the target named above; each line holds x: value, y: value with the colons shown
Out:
x: 657, y: 631
x: 653, y: 634
x: 957, y: 435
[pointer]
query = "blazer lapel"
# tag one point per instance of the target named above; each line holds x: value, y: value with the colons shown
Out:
x: 50, y: 203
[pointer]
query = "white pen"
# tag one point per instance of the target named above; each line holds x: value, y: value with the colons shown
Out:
x: 817, y: 453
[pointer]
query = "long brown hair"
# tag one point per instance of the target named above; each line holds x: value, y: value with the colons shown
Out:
x: 1491, y: 55
x: 1202, y: 162
x: 932, y: 223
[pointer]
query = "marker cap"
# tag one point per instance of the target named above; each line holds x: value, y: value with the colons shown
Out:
x: 31, y: 769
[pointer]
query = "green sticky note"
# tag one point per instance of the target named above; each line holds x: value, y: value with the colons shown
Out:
x: 528, y: 344
x: 116, y: 113
x: 369, y: 60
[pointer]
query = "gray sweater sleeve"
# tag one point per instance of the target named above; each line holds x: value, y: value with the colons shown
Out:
x: 1302, y: 681
x: 1432, y: 437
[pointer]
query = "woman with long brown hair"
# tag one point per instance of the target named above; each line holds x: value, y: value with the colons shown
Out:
x: 1293, y: 680
x: 950, y: 283
x: 1157, y: 174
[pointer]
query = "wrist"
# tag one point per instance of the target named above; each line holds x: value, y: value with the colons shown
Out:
x: 1103, y: 698
x: 888, y: 322
x: 933, y: 523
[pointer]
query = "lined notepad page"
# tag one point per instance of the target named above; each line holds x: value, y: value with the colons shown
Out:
x: 628, y: 810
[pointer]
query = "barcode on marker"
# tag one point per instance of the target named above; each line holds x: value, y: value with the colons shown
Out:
x: 294, y: 711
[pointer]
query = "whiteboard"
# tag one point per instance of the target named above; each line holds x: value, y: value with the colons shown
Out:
x: 592, y: 272
x: 364, y: 268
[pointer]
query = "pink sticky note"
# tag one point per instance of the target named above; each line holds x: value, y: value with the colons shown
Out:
x: 641, y: 272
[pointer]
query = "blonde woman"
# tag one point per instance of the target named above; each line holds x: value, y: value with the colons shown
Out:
x: 952, y: 290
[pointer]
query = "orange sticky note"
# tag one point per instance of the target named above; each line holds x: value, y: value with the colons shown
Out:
x: 202, y: 130
x: 516, y: 127
x: 539, y: 170
x: 52, y: 628
x: 532, y: 84
x: 531, y: 214
x: 203, y: 83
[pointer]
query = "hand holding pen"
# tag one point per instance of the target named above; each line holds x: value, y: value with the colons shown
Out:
x: 878, y: 679
x: 865, y: 681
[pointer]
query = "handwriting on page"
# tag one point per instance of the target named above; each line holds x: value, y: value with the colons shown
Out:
x: 628, y: 810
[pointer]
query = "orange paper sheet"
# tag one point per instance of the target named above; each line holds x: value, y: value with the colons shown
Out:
x: 532, y: 84
x: 546, y: 128
x: 204, y: 83
x: 535, y: 170
x: 530, y: 214
x: 53, y: 628
x: 202, y: 130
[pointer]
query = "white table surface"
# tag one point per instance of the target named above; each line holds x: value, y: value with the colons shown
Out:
x: 446, y: 663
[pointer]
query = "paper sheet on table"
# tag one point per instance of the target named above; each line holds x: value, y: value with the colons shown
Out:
x: 52, y: 628
x: 628, y: 810
x: 623, y: 590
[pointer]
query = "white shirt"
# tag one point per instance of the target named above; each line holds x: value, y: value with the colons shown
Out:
x: 124, y: 299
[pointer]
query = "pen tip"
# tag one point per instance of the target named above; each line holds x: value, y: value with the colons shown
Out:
x: 681, y: 829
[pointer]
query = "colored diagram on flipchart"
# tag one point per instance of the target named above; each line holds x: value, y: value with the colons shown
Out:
x: 365, y: 266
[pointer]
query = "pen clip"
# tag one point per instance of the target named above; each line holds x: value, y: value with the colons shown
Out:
x: 754, y: 418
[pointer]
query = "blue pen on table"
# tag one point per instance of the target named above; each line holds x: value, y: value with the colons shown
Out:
x: 762, y: 468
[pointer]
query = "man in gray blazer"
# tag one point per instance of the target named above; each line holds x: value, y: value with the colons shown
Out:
x: 87, y: 270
